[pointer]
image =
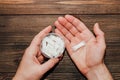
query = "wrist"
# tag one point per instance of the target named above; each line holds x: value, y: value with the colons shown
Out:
x: 99, y: 72
x: 18, y: 77
x: 24, y: 77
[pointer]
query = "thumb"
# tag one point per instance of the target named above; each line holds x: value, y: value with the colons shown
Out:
x: 49, y: 64
x: 99, y: 34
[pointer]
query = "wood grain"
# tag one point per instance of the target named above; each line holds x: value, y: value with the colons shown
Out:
x: 88, y: 2
x: 59, y: 7
x: 21, y: 20
x: 17, y: 31
x: 16, y: 1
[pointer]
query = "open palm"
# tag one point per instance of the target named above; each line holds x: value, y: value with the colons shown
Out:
x: 73, y: 32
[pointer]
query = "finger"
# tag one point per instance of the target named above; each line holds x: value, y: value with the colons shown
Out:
x: 37, y: 39
x: 99, y: 34
x: 68, y: 25
x: 67, y: 42
x: 35, y: 44
x: 41, y: 59
x: 65, y: 32
x: 85, y: 32
x: 49, y: 64
x: 76, y: 22
x: 32, y: 50
x: 61, y: 57
x: 38, y: 54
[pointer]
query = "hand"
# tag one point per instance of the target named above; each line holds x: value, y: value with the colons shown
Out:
x: 90, y: 57
x: 31, y: 67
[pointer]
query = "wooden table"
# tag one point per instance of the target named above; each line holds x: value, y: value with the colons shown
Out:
x: 21, y: 20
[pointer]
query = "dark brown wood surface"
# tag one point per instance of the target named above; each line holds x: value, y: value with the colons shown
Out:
x: 21, y: 20
x: 59, y: 6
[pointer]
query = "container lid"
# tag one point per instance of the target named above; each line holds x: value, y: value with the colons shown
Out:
x: 52, y: 45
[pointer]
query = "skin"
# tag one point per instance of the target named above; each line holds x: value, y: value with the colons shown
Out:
x: 89, y: 58
x: 31, y: 67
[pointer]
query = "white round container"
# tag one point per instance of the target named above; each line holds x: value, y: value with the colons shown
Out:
x: 52, y: 45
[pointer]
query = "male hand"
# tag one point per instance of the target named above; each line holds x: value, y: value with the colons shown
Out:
x: 31, y: 67
x: 89, y: 58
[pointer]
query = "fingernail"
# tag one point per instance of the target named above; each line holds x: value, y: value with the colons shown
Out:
x: 59, y: 18
x: 68, y: 15
x: 97, y: 24
x: 56, y: 22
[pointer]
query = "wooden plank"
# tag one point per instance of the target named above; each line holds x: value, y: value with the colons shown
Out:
x: 59, y: 7
x: 11, y: 26
x: 17, y: 31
